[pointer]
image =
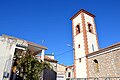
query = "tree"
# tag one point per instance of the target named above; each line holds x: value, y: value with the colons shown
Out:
x: 29, y: 67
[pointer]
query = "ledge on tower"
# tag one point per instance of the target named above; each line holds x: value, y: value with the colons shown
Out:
x: 80, y: 11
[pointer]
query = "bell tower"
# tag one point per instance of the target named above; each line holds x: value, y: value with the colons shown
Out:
x: 85, y: 41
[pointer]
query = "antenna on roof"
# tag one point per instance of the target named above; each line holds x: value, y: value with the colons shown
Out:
x: 53, y: 53
x: 43, y: 41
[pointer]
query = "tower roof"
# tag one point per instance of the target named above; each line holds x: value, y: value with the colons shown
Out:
x: 80, y: 11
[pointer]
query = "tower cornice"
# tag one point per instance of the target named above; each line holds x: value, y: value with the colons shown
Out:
x: 80, y: 11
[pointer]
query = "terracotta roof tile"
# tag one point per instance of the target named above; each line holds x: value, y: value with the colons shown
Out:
x: 70, y: 66
x: 47, y: 59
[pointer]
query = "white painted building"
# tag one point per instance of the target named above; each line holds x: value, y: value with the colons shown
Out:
x: 84, y: 40
x: 69, y: 72
x: 61, y: 72
x: 8, y: 45
x: 65, y: 72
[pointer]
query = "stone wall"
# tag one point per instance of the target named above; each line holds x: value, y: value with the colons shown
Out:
x: 108, y: 65
x: 49, y: 74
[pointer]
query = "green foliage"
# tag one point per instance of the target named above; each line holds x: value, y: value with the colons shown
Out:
x: 30, y: 68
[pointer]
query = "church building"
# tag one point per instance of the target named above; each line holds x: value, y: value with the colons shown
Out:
x: 89, y: 60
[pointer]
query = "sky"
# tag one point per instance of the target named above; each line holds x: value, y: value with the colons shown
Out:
x: 49, y: 20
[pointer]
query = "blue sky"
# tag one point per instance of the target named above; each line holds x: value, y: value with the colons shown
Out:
x: 49, y: 20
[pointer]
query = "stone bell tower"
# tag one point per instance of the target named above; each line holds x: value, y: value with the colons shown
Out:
x: 85, y: 41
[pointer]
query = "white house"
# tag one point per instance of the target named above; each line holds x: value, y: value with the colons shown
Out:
x: 61, y: 72
x: 8, y: 45
x: 69, y: 72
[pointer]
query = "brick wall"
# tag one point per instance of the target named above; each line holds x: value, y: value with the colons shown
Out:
x: 108, y: 65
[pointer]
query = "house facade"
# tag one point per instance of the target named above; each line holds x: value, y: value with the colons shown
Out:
x: 8, y: 47
x: 69, y: 72
x: 61, y: 72
x: 49, y: 74
x: 65, y: 72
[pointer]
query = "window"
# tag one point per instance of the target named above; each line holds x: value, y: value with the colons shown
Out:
x: 79, y: 59
x: 66, y: 69
x: 93, y: 47
x: 96, y: 65
x: 90, y: 28
x: 68, y: 74
x: 95, y: 61
x: 79, y: 46
x: 60, y: 76
x: 77, y: 29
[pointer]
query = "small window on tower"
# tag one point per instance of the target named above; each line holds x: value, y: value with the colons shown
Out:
x: 90, y: 28
x: 77, y: 29
x: 79, y: 46
x: 79, y: 59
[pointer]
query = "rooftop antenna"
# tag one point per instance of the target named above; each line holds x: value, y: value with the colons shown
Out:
x: 43, y: 41
x: 70, y: 46
x: 53, y: 53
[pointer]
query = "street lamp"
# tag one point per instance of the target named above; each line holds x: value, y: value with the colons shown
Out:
x: 74, y: 52
x: 70, y: 46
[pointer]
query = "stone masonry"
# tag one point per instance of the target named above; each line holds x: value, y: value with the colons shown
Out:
x: 108, y: 64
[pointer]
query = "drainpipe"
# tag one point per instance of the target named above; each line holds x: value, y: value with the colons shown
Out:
x: 42, y: 55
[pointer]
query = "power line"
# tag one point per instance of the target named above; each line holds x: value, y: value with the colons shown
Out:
x: 63, y: 53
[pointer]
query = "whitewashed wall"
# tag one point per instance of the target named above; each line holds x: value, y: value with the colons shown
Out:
x: 7, y: 49
x: 81, y: 67
x: 61, y: 72
x: 91, y: 36
x: 79, y: 52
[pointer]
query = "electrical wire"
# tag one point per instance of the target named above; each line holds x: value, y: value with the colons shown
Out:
x: 63, y: 53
